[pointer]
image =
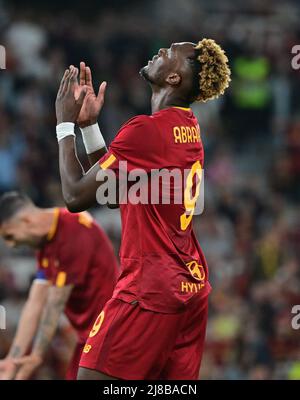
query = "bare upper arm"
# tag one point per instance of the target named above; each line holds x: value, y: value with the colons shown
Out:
x: 38, y: 292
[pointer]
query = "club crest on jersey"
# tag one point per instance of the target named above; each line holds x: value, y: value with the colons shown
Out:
x: 196, y: 270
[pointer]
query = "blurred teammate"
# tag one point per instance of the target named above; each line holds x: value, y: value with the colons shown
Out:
x: 154, y: 325
x: 77, y: 272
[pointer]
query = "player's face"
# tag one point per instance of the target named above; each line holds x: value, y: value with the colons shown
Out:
x: 17, y: 232
x: 173, y: 60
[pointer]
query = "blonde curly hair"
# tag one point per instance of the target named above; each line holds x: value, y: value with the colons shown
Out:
x: 214, y: 74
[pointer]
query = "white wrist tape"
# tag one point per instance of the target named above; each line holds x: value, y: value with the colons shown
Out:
x: 64, y: 129
x: 92, y: 138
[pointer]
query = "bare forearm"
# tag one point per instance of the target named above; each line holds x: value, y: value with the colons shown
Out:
x: 70, y: 168
x: 26, y: 330
x: 47, y: 329
x: 57, y: 300
x: 79, y: 188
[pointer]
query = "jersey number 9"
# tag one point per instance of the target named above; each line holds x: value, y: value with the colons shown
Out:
x: 189, y: 199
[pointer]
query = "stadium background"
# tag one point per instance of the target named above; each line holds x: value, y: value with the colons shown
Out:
x: 250, y: 229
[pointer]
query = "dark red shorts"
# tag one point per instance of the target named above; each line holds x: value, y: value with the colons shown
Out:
x: 128, y: 342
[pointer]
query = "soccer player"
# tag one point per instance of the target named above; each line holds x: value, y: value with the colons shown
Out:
x: 77, y: 272
x: 154, y: 325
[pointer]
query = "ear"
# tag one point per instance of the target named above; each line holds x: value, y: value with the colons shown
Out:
x: 173, y: 79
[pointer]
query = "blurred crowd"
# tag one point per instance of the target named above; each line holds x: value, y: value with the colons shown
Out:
x: 250, y: 228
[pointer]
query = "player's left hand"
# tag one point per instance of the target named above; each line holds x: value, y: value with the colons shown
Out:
x: 27, y: 366
x: 92, y: 104
x: 68, y: 105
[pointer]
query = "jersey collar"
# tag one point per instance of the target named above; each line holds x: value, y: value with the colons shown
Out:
x: 53, y: 228
x: 183, y: 108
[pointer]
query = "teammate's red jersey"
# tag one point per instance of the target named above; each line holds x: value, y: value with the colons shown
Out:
x: 162, y: 265
x: 78, y: 252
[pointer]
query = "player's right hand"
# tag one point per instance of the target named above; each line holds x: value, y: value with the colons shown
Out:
x: 68, y: 104
x: 92, y: 104
x: 8, y: 369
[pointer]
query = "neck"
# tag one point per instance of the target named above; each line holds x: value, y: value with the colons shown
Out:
x: 41, y: 222
x: 162, y: 99
x: 46, y: 219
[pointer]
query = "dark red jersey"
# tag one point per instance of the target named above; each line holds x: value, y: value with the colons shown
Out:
x: 162, y: 264
x: 78, y: 252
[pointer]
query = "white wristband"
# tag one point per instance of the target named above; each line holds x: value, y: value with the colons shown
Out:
x: 64, y: 129
x: 92, y: 138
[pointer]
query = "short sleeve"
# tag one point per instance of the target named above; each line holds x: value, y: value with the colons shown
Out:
x: 41, y: 275
x: 137, y: 143
x: 42, y: 270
